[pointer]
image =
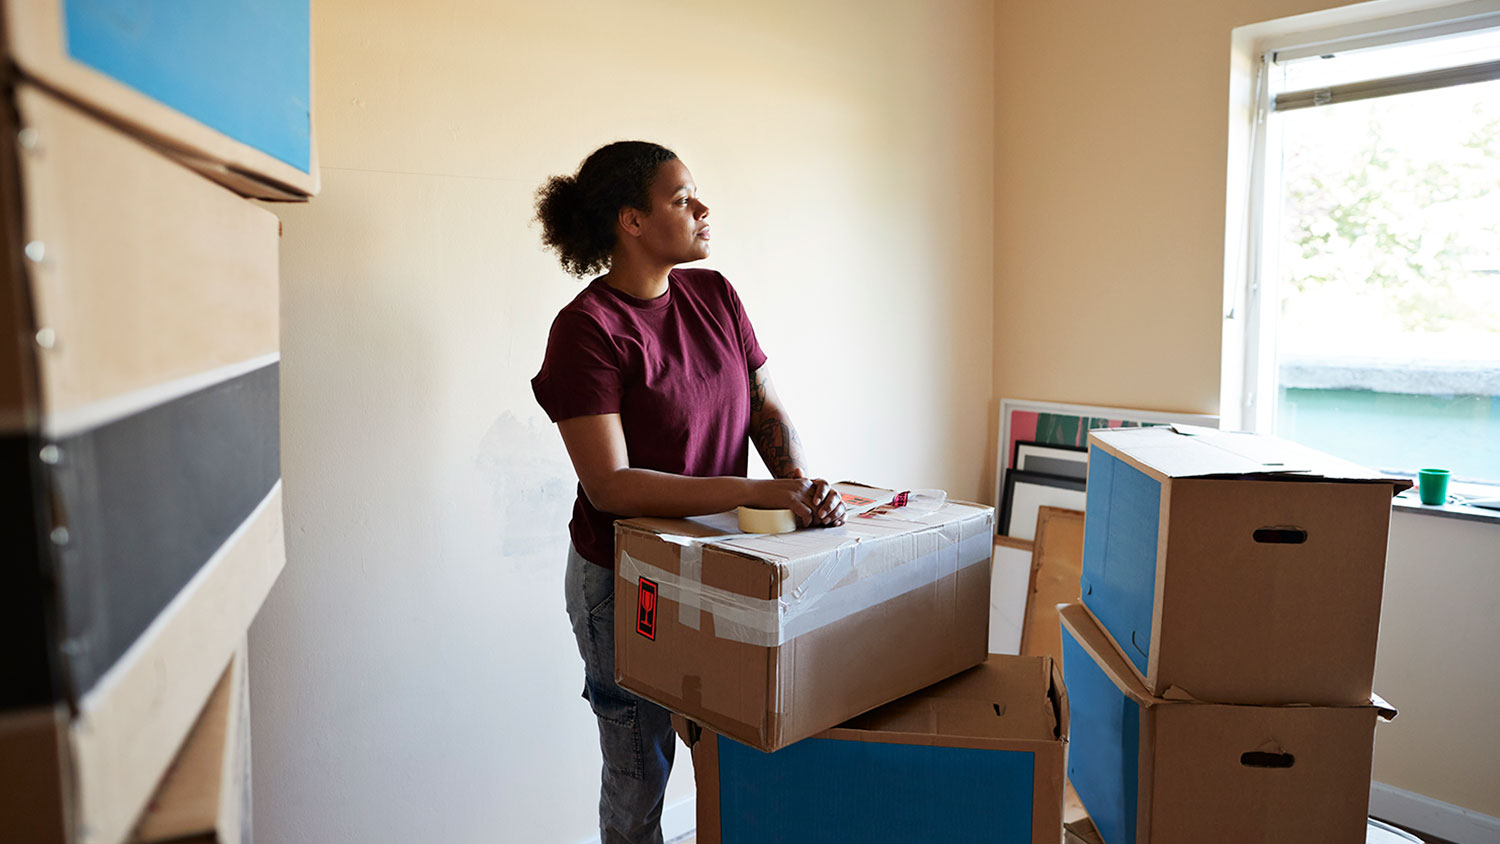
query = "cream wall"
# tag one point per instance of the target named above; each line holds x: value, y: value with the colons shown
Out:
x: 415, y: 678
x: 1439, y: 625
x: 1111, y: 131
x: 1111, y: 164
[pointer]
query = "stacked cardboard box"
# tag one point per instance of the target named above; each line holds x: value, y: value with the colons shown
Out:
x: 770, y: 639
x: 978, y: 757
x: 138, y: 394
x: 811, y: 658
x: 1222, y: 658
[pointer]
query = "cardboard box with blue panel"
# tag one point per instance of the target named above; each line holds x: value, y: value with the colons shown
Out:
x: 226, y: 86
x: 1162, y: 771
x: 772, y: 638
x: 976, y: 758
x: 1236, y: 568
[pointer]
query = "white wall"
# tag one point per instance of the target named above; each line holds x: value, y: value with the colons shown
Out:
x: 1439, y: 661
x: 414, y: 675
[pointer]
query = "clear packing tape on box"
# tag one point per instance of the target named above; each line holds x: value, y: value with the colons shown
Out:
x: 875, y: 557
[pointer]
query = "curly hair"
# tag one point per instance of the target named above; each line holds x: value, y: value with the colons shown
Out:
x: 578, y: 212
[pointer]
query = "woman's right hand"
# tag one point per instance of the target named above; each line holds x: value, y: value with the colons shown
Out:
x: 807, y: 499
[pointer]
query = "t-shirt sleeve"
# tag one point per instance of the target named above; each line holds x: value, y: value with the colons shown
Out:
x: 754, y: 356
x: 580, y: 374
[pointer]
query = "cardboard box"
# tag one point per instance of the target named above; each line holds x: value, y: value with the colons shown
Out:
x: 157, y: 386
x: 1236, y: 568
x: 35, y: 778
x: 148, y: 275
x: 205, y: 793
x: 226, y: 86
x: 770, y: 639
x: 1157, y: 771
x: 978, y: 757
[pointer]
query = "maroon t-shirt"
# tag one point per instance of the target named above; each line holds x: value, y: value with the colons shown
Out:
x: 677, y: 370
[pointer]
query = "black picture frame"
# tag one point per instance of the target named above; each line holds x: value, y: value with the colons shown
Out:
x: 1051, y: 456
x: 1013, y: 477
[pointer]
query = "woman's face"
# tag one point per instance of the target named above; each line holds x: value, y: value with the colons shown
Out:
x: 676, y: 229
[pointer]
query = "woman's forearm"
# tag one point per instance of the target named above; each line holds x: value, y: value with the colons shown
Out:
x: 643, y: 492
x: 777, y: 442
x: 637, y: 492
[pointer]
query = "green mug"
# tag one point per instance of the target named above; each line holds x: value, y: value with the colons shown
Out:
x: 1432, y: 486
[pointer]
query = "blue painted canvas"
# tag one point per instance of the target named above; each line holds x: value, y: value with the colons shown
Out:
x: 1121, y: 519
x: 828, y: 791
x: 239, y: 66
x: 1104, y: 744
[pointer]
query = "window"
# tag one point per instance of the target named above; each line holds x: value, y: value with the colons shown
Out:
x: 1371, y: 299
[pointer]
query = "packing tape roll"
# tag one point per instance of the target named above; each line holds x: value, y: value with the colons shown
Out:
x: 766, y: 521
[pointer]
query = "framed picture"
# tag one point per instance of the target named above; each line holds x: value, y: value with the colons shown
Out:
x: 1054, y: 424
x: 1027, y: 492
x: 1069, y: 461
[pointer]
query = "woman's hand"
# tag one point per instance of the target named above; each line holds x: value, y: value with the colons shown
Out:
x: 596, y: 445
x: 814, y: 503
x: 793, y: 494
x: 827, y: 504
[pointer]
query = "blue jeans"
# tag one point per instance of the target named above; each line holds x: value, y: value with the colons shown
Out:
x: 635, y: 735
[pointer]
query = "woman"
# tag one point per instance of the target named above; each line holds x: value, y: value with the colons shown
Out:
x: 656, y: 382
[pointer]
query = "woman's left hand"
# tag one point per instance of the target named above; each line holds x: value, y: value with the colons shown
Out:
x: 826, y: 503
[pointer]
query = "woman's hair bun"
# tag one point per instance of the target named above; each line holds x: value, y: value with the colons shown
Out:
x: 578, y: 212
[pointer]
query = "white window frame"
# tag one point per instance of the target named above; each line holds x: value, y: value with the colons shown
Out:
x: 1247, y: 392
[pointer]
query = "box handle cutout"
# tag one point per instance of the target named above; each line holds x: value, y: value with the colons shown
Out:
x: 1262, y: 759
x: 1281, y: 535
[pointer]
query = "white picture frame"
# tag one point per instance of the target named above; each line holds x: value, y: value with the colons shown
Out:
x: 1085, y: 415
x: 1069, y: 461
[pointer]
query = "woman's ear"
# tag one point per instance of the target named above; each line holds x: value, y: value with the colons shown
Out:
x: 629, y: 220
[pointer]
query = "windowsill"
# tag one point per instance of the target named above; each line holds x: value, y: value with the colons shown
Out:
x: 1408, y: 502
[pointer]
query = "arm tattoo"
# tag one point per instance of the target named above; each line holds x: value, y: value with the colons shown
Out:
x: 775, y: 438
x: 778, y: 444
x: 757, y: 393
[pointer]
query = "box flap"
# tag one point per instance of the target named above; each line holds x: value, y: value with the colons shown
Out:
x: 1059, y: 695
x: 1383, y: 710
x: 1005, y: 697
x: 1085, y: 629
x: 1078, y: 621
x: 1186, y: 451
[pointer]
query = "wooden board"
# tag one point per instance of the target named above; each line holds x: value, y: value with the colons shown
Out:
x: 1081, y: 831
x: 1056, y: 567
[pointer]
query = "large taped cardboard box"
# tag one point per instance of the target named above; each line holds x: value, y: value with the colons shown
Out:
x: 1155, y: 771
x: 770, y: 639
x: 1236, y: 568
x: 976, y: 758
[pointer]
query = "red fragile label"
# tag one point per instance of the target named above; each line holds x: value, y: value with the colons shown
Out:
x: 645, y: 609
